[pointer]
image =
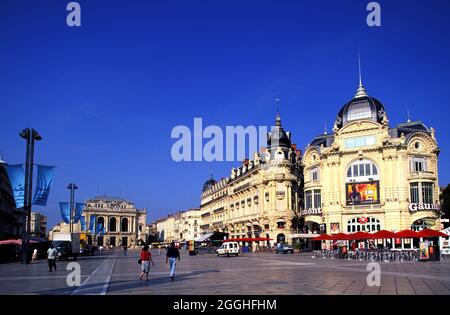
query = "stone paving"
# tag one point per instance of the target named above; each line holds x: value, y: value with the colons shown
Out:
x: 259, y: 274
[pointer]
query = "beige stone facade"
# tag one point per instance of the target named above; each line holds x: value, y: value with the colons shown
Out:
x: 259, y: 198
x: 166, y: 229
x: 368, y: 175
x: 187, y: 225
x: 123, y: 222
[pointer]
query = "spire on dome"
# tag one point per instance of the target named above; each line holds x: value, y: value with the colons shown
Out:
x: 361, y: 91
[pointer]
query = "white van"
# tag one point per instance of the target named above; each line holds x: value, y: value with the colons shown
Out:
x: 228, y: 248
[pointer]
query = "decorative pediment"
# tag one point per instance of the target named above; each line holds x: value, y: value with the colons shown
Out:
x: 359, y: 126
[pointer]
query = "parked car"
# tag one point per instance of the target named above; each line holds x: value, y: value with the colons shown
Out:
x: 228, y: 248
x: 284, y: 249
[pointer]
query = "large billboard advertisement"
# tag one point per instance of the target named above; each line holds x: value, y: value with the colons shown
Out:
x: 363, y: 193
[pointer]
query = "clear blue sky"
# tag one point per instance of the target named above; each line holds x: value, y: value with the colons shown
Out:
x: 106, y: 96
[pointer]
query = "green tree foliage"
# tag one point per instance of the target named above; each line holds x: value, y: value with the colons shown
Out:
x: 445, y: 202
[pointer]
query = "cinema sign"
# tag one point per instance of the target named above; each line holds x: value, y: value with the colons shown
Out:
x: 312, y: 211
x: 413, y: 207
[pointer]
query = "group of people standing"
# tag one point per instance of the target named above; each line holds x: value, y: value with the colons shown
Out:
x: 145, y: 258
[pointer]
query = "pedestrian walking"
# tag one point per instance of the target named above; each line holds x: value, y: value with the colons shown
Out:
x: 125, y: 249
x: 34, y: 256
x: 171, y: 258
x: 160, y: 250
x: 51, y: 257
x: 145, y: 258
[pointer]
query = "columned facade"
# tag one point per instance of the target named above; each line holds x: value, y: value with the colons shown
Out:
x: 123, y: 223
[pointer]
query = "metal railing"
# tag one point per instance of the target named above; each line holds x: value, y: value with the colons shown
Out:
x: 386, y: 255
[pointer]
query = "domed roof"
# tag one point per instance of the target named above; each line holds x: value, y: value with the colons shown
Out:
x: 278, y: 137
x: 209, y: 183
x: 361, y: 107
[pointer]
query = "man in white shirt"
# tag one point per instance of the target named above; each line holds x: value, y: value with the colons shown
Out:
x: 51, y: 256
x: 35, y: 253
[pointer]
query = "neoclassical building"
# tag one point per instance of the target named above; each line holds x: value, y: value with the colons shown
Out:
x: 369, y: 176
x: 165, y: 228
x: 259, y: 198
x: 123, y: 222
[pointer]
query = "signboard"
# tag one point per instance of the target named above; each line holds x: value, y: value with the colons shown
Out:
x: 413, y: 207
x: 44, y: 181
x: 334, y: 228
x: 363, y: 220
x: 363, y: 193
x: 312, y: 211
x: 424, y: 255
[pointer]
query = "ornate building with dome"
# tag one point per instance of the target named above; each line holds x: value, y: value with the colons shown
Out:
x: 367, y: 175
x: 261, y: 197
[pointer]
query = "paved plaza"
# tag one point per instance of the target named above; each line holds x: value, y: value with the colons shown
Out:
x: 259, y: 273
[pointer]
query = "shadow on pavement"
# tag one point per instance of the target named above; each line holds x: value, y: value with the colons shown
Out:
x: 123, y: 285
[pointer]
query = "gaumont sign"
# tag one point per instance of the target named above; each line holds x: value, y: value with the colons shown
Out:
x: 317, y: 211
x: 424, y: 206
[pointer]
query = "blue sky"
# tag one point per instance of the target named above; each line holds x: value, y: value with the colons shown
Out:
x: 106, y: 96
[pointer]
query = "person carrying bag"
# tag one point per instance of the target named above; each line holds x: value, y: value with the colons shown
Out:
x: 144, y: 260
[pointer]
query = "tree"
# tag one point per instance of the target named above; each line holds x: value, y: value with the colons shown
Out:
x: 445, y: 202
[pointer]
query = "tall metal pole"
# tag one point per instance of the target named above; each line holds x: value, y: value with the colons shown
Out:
x: 30, y: 135
x: 26, y: 134
x: 30, y: 192
x: 72, y: 188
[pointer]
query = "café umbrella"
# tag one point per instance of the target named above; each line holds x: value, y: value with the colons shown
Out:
x: 323, y: 237
x: 340, y: 237
x: 431, y: 233
x: 359, y: 236
x: 383, y: 234
x: 407, y: 234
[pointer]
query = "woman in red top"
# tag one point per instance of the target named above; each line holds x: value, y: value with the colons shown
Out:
x: 146, y: 258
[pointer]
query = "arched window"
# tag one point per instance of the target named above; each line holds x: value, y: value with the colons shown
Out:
x: 363, y: 224
x: 112, y: 224
x: 124, y: 225
x: 361, y: 171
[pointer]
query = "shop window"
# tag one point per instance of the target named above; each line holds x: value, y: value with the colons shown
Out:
x: 317, y: 199
x: 427, y: 193
x: 315, y: 174
x: 363, y: 225
x: 364, y: 168
x: 313, y: 199
x: 422, y: 192
x: 414, y: 190
x: 418, y: 164
x: 308, y: 199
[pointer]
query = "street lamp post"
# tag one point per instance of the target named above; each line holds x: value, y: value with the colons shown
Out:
x: 30, y: 135
x: 72, y: 188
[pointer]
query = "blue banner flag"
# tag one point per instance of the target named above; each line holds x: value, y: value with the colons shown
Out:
x: 100, y: 229
x: 65, y: 211
x: 16, y: 174
x: 92, y: 225
x: 44, y: 181
x: 79, y: 207
x: 83, y: 223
